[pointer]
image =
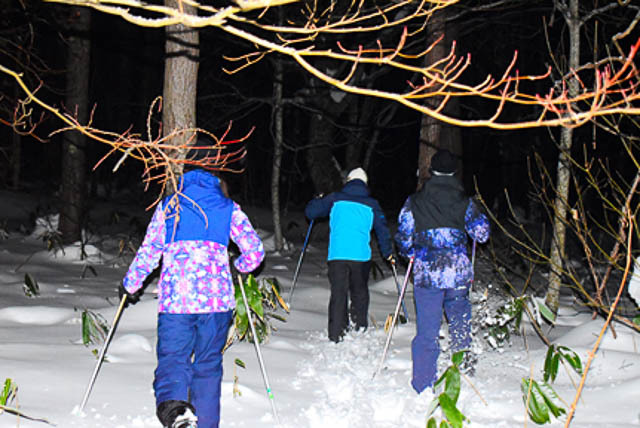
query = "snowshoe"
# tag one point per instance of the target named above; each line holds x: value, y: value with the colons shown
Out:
x: 177, y: 414
x: 185, y: 420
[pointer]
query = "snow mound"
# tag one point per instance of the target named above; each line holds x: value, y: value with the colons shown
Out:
x: 585, y: 336
x: 36, y: 315
x: 634, y: 282
x: 130, y: 343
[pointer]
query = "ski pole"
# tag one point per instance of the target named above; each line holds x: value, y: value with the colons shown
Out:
x: 103, y: 351
x: 257, y: 346
x: 395, y: 318
x: 395, y: 278
x: 297, y: 271
x: 473, y: 267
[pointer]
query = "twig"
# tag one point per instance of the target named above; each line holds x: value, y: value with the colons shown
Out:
x: 623, y: 282
x: 22, y: 415
x: 465, y: 377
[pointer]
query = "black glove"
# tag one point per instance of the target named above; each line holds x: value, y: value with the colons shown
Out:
x: 132, y: 299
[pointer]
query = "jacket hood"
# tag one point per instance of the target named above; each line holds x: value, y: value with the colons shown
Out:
x: 203, y: 188
x: 440, y: 203
x: 200, y: 178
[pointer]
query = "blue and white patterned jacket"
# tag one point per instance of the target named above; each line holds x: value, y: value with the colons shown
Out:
x: 441, y: 259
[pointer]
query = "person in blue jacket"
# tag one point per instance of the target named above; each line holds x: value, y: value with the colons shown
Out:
x: 433, y: 226
x: 352, y: 214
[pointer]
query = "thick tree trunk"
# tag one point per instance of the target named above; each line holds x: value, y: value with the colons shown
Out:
x: 356, y: 112
x: 323, y: 168
x: 557, y: 255
x: 180, y: 81
x: 278, y: 139
x: 73, y: 143
x: 430, y: 128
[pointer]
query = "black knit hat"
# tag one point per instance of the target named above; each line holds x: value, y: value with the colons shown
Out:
x: 444, y: 162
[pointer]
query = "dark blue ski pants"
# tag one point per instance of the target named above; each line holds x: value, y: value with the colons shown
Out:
x: 425, y: 346
x: 190, y: 362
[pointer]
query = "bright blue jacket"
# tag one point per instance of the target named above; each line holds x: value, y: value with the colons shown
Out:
x: 352, y: 214
x: 204, y: 212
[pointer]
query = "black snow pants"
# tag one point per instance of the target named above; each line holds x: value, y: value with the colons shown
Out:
x: 348, y: 279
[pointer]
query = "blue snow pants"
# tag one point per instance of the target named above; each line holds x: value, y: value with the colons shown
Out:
x: 198, y: 379
x: 425, y: 346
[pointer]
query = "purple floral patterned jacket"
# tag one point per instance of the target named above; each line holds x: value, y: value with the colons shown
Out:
x: 195, y: 276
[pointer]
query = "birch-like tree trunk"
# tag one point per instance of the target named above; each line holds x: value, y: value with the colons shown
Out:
x: 180, y: 79
x: 557, y: 255
x: 278, y: 140
x: 73, y: 190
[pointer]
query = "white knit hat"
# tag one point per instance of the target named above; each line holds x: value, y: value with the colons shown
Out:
x: 357, y: 174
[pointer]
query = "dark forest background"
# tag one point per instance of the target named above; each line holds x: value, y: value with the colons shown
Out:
x: 126, y: 75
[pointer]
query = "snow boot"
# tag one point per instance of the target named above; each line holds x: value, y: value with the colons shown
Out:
x: 185, y: 420
x: 468, y: 365
x: 177, y: 414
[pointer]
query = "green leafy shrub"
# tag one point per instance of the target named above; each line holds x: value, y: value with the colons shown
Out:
x: 8, y: 393
x: 504, y: 323
x: 264, y: 300
x: 30, y: 287
x: 449, y: 383
x: 8, y: 402
x: 508, y: 318
x: 94, y: 329
x: 540, y: 399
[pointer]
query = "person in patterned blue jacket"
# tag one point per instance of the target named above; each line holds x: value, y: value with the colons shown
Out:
x: 433, y: 226
x: 352, y: 214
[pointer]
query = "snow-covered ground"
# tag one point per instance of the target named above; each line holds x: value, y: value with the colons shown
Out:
x: 316, y: 383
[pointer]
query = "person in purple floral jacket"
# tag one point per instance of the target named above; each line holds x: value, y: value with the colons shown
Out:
x: 190, y: 231
x: 433, y: 226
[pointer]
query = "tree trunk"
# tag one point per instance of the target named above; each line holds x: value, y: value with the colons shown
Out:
x: 355, y: 113
x: 323, y: 168
x: 431, y: 128
x: 557, y: 255
x: 74, y: 143
x: 180, y: 82
x: 278, y: 137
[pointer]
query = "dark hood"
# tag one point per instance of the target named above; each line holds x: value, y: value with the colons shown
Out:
x: 356, y: 187
x: 440, y: 203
